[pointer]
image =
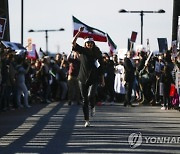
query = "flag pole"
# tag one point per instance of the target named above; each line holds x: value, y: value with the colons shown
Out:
x: 131, y: 45
x: 148, y: 45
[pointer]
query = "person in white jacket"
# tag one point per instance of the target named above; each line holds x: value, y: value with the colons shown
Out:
x: 119, y: 83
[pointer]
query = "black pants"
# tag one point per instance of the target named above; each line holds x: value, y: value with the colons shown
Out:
x: 146, y: 89
x: 109, y: 89
x: 46, y: 91
x: 128, y: 86
x: 88, y: 93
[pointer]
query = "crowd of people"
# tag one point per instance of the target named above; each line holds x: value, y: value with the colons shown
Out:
x: 24, y: 81
x: 148, y: 79
x: 67, y: 77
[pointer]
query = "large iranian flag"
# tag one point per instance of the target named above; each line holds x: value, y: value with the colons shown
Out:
x: 96, y: 34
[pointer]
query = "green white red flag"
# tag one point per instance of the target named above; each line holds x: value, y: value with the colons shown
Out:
x: 96, y: 34
x: 111, y: 44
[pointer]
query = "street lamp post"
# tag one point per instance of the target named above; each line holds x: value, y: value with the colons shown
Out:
x: 141, y: 14
x: 46, y: 34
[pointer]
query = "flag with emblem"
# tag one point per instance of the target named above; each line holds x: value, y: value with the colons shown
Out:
x: 96, y: 34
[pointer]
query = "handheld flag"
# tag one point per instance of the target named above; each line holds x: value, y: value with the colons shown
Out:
x: 96, y: 34
x: 111, y: 44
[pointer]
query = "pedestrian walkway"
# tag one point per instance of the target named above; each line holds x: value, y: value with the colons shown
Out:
x: 58, y: 128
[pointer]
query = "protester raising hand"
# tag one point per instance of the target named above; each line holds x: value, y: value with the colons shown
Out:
x: 76, y: 36
x: 90, y: 73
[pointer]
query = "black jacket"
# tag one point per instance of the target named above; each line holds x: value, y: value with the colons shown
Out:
x: 129, y: 70
x: 89, y: 73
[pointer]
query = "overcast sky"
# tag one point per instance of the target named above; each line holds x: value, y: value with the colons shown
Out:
x: 100, y: 14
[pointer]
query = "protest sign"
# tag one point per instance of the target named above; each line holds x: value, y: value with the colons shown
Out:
x: 2, y: 27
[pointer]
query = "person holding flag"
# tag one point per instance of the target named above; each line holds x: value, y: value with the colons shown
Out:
x: 90, y: 73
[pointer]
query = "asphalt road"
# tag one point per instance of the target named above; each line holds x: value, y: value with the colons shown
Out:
x: 58, y: 128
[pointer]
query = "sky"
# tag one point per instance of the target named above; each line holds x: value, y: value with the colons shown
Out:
x: 100, y: 14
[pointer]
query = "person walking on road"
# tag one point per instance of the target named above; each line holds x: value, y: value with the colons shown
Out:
x: 90, y: 73
x: 129, y: 76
